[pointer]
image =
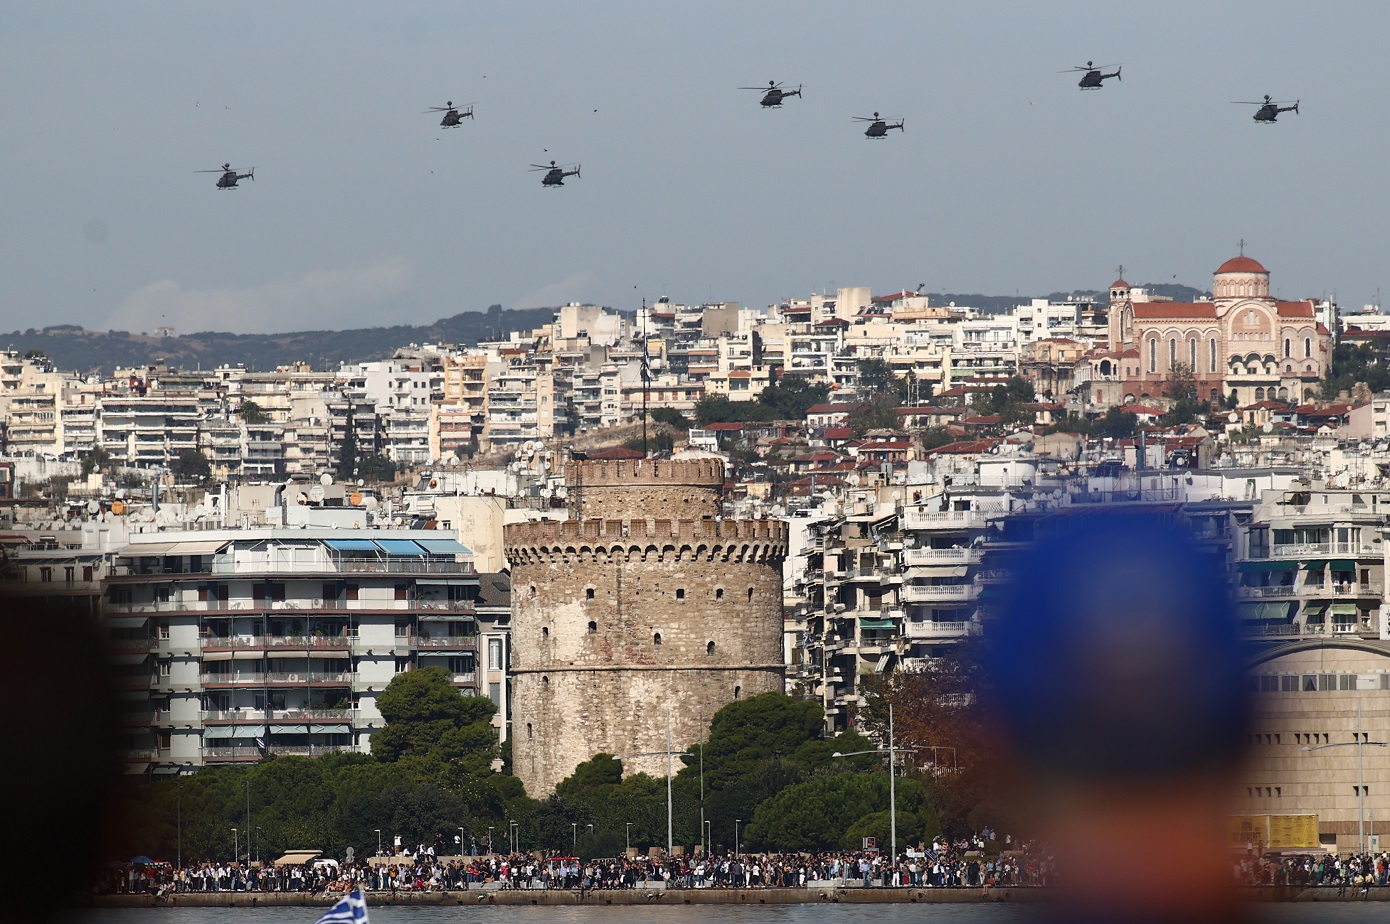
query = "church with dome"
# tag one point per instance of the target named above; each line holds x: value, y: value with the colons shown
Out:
x: 1243, y: 342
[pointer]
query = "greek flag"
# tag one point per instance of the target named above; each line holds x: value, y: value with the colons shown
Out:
x: 351, y: 910
x: 646, y: 363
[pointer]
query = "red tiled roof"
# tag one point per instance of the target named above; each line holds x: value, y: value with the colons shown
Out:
x: 740, y: 374
x: 1241, y: 264
x: 833, y: 322
x: 964, y: 447
x: 1175, y: 310
x: 1295, y: 309
x: 837, y: 433
x: 1119, y: 284
x: 830, y: 408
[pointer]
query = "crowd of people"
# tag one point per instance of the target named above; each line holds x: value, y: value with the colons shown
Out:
x: 1357, y: 871
x: 977, y: 862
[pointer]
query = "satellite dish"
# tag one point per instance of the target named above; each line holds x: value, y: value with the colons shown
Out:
x: 1233, y: 417
x: 370, y: 503
x: 897, y: 494
x: 1268, y: 427
x: 853, y: 479
x: 325, y: 479
x: 317, y: 492
x: 118, y: 507
x: 355, y: 498
x: 93, y: 507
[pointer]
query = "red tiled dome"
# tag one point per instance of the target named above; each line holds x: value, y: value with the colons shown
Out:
x: 1241, y: 265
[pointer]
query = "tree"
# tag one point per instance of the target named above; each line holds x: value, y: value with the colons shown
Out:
x: 1181, y: 389
x: 190, y: 467
x: 427, y: 716
x: 376, y: 467
x: 670, y: 417
x: 253, y: 413
x: 817, y: 814
x: 98, y: 460
x: 792, y: 396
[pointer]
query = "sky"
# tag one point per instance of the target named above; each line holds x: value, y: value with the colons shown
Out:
x: 1007, y: 178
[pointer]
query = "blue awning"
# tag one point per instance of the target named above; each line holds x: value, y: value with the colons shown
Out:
x: 351, y: 545
x: 444, y: 546
x: 399, y: 547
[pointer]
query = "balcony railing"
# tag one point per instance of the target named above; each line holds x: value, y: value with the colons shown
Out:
x: 280, y: 715
x: 930, y: 629
x: 245, y: 642
x: 1309, y: 549
x: 923, y: 593
x: 262, y: 678
x: 1275, y: 590
x: 925, y: 557
x: 469, y: 642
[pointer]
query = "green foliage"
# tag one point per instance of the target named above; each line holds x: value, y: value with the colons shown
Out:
x: 792, y: 396
x: 753, y: 730
x: 190, y: 467
x: 1004, y: 399
x: 719, y: 409
x: 253, y: 413
x: 428, y: 718
x: 98, y: 460
x: 1357, y: 362
x: 670, y: 417
x: 1181, y: 390
x: 932, y: 437
x: 1116, y: 423
x: 818, y: 814
x: 376, y: 467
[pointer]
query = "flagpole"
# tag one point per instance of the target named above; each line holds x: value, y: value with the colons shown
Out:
x: 646, y: 376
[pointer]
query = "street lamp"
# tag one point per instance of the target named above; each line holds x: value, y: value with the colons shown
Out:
x: 248, y: 821
x: 709, y: 837
x: 668, y: 754
x: 892, y: 753
x: 939, y: 747
x: 461, y: 841
x: 236, y: 846
x: 574, y: 837
x: 258, y: 844
x: 378, y: 841
x: 628, y: 835
x: 489, y: 838
x: 513, y: 834
x: 737, y: 821
x: 178, y: 810
x: 1360, y: 744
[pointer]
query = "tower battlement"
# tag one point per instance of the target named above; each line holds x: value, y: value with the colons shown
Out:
x: 640, y: 488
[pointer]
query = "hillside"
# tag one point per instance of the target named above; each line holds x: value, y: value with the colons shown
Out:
x: 74, y: 348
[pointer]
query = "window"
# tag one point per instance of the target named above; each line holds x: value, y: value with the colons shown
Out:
x: 750, y: 595
x: 1192, y: 354
x: 1307, y: 347
x: 737, y: 692
x: 656, y: 638
x: 719, y: 593
x: 494, y: 654
x: 461, y: 664
x: 1288, y: 347
x: 1172, y: 353
x: 352, y: 591
x: 545, y: 632
x: 494, y: 693
x: 1211, y: 359
x: 709, y: 648
x: 45, y: 574
x: 588, y: 593
x: 530, y: 731
x: 1153, y: 355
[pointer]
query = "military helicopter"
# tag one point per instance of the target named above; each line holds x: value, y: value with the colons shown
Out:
x: 773, y: 94
x: 1092, y: 76
x: 452, y: 116
x: 1269, y: 109
x: 229, y: 177
x: 878, y: 128
x: 555, y: 176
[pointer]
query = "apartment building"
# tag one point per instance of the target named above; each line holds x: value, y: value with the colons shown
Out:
x: 241, y: 643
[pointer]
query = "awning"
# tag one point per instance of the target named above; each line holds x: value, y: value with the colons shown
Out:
x: 1343, y: 564
x: 286, y: 729
x: 232, y: 731
x: 327, y: 730
x: 877, y: 624
x: 1316, y: 564
x: 1343, y: 609
x: 443, y: 546
x: 203, y: 547
x: 399, y: 547
x: 1314, y: 608
x: 298, y: 857
x: 125, y: 622
x: 147, y: 549
x: 1261, y: 565
x: 351, y: 545
x: 1265, y: 611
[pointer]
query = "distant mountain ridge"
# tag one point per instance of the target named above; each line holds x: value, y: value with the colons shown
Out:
x: 71, y: 347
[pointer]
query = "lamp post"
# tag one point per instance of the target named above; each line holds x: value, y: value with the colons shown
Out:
x: 709, y: 837
x: 489, y: 838
x: 258, y: 844
x: 1361, y: 743
x: 378, y: 841
x: 513, y: 835
x: 668, y: 754
x: 236, y: 846
x: 248, y: 821
x: 737, y: 822
x: 628, y: 836
x: 178, y: 816
x: 461, y: 841
x: 892, y: 752
x: 574, y: 837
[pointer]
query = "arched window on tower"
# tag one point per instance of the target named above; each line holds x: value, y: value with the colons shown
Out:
x: 1153, y: 356
x: 1192, y: 355
x: 1307, y: 347
x: 1172, y: 353
x: 1288, y: 347
x: 1212, y: 358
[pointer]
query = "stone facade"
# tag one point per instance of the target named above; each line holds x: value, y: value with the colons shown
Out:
x: 615, y: 621
x: 1307, y: 695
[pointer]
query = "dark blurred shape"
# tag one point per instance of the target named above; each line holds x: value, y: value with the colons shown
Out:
x: 62, y: 761
x: 1116, y: 666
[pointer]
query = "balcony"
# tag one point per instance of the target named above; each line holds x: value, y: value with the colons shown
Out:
x: 459, y: 642
x: 914, y: 558
x: 915, y: 518
x: 931, y: 629
x: 927, y: 593
x: 1311, y: 549
x: 267, y: 642
x: 1262, y: 593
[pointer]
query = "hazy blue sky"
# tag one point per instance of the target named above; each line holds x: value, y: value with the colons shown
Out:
x: 1008, y: 178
